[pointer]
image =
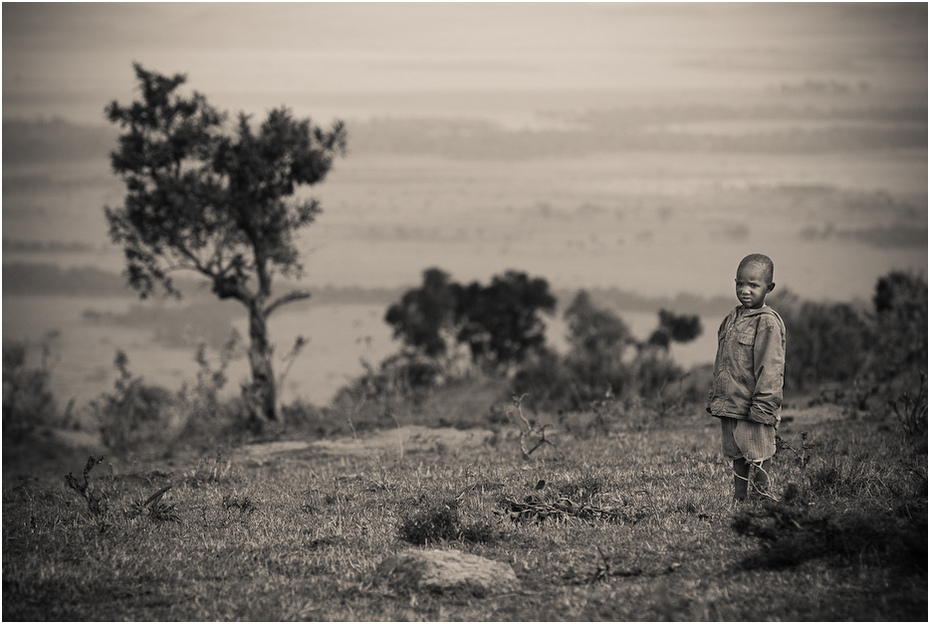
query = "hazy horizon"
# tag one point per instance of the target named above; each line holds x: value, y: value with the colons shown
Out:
x: 646, y: 147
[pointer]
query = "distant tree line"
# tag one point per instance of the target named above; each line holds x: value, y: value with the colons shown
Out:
x: 449, y: 329
x: 866, y: 357
x: 866, y: 349
x: 867, y: 352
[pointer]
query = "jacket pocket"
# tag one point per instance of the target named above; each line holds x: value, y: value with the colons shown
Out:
x: 744, y: 347
x: 747, y: 337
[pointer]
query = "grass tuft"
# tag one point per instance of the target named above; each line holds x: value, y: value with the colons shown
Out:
x: 440, y: 522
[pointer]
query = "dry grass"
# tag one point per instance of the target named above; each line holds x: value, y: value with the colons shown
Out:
x: 634, y: 524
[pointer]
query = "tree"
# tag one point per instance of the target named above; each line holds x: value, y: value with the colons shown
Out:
x: 595, y: 332
x: 675, y: 328
x: 422, y: 315
x: 217, y: 201
x: 598, y: 342
x: 500, y: 322
x: 900, y: 302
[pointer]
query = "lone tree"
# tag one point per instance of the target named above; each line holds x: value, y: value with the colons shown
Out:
x: 216, y: 200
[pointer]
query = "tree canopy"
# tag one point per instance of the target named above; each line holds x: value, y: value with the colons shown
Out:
x: 219, y: 201
x: 499, y: 322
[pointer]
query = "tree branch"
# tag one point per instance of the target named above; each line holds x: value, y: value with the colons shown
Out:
x: 295, y: 295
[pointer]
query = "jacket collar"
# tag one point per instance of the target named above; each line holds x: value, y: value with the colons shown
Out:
x: 747, y: 312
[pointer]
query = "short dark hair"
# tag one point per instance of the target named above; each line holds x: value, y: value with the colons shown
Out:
x: 760, y: 260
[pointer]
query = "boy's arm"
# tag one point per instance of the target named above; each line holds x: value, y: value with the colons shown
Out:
x: 769, y: 369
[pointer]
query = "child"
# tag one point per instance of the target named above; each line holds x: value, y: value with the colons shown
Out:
x: 749, y: 375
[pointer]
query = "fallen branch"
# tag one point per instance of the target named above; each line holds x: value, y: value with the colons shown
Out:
x: 534, y: 508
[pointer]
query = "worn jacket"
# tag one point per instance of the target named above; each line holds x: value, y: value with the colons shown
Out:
x: 749, y: 371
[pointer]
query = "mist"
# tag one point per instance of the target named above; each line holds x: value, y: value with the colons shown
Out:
x: 641, y: 147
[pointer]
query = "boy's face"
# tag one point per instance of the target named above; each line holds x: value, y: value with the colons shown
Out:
x: 752, y: 285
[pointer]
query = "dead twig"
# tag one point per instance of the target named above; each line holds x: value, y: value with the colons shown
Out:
x: 529, y: 429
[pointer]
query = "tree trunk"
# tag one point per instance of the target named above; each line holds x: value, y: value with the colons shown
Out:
x: 261, y: 396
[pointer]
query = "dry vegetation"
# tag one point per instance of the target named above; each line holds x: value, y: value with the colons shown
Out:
x: 628, y: 519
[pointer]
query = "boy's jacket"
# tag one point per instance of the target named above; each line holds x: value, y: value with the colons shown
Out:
x: 749, y: 371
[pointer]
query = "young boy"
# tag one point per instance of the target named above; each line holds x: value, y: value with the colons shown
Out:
x: 749, y: 375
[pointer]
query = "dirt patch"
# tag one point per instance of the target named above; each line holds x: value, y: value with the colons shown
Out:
x: 402, y: 440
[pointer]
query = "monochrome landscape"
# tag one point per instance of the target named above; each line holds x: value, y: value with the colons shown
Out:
x: 632, y: 151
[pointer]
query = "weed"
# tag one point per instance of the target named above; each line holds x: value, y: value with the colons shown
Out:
x: 96, y: 501
x: 608, y: 567
x: 802, y: 455
x: 155, y: 508
x: 219, y: 471
x: 911, y: 411
x: 440, y: 522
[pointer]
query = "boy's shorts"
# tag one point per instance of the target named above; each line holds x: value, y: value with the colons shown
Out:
x: 747, y: 439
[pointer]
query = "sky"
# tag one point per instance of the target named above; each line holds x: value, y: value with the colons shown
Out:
x: 60, y: 59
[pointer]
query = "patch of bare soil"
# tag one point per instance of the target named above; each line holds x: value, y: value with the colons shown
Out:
x: 413, y: 438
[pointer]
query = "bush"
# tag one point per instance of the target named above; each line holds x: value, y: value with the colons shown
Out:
x: 551, y: 385
x: 132, y: 414
x: 900, y: 302
x: 27, y: 399
x: 403, y: 377
x: 203, y: 417
x: 827, y: 342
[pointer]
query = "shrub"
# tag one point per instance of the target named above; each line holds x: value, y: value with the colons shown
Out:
x: 551, y: 384
x: 401, y: 380
x: 203, y: 416
x: 900, y: 302
x: 133, y: 413
x: 655, y: 375
x: 827, y: 342
x: 27, y: 399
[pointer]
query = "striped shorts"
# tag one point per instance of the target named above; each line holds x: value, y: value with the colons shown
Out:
x: 747, y: 439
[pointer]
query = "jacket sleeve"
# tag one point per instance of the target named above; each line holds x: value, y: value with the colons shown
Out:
x: 769, y: 369
x: 713, y: 386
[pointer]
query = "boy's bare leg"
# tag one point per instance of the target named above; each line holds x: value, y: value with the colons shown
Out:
x: 740, y: 478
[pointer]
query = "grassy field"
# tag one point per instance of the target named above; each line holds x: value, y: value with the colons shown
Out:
x: 621, y: 518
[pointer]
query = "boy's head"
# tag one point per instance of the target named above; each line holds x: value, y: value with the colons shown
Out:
x: 754, y: 280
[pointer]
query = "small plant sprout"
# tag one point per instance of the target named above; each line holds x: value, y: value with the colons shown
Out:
x: 96, y: 501
x: 157, y: 509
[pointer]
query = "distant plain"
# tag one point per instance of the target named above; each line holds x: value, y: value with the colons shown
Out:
x: 659, y: 198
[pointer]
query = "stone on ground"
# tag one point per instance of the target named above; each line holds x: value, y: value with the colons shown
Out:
x: 446, y: 571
